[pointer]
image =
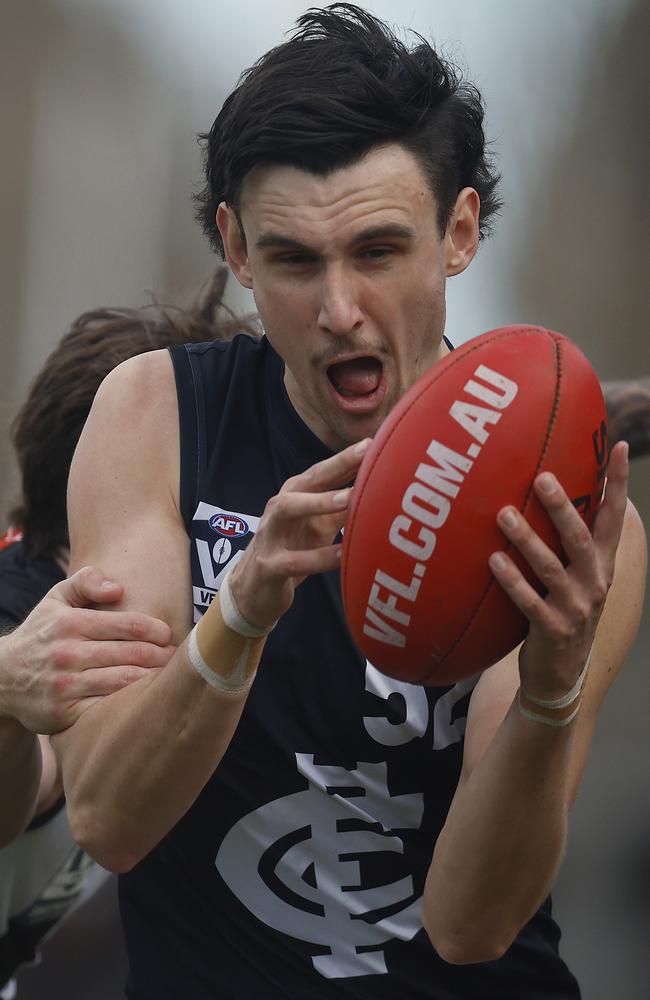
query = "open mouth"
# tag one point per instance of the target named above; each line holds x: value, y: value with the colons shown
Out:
x: 358, y: 378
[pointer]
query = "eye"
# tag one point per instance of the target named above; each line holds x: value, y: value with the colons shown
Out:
x: 295, y: 259
x: 376, y: 253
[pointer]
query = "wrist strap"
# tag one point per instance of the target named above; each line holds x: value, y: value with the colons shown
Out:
x: 554, y: 711
x: 549, y: 716
x: 236, y: 681
x: 230, y: 647
x: 233, y: 617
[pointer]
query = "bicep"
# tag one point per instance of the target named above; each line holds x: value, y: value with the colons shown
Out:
x: 123, y: 507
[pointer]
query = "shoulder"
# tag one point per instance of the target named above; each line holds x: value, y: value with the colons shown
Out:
x: 240, y: 344
x: 141, y: 382
x: 136, y: 402
x: 130, y: 440
x: 217, y: 361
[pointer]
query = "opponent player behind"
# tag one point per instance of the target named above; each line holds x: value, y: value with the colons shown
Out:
x: 628, y: 413
x: 60, y: 660
x: 284, y: 815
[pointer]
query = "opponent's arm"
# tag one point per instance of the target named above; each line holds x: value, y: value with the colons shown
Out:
x: 49, y: 675
x: 20, y: 775
x: 29, y: 778
x: 628, y: 413
x: 499, y: 851
x: 134, y: 763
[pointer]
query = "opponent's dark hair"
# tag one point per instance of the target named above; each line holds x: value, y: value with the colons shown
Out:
x: 341, y: 86
x: 47, y: 427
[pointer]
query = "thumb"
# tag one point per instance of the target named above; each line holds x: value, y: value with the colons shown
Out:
x: 87, y: 586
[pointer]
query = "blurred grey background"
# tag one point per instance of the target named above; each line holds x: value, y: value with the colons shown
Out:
x: 101, y: 101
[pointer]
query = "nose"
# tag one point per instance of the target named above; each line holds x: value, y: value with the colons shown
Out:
x: 339, y: 309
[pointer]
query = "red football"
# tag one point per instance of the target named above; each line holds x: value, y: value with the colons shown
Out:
x: 468, y: 438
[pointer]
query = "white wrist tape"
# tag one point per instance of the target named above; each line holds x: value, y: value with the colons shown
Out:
x: 235, y: 683
x: 568, y: 698
x: 233, y: 617
x: 238, y: 658
x: 553, y: 711
x: 545, y: 719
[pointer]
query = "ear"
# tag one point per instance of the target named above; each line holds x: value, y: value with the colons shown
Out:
x: 234, y: 245
x: 461, y: 238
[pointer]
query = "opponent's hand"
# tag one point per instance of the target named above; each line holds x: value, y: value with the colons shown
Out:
x: 294, y: 537
x: 66, y: 655
x: 563, y: 624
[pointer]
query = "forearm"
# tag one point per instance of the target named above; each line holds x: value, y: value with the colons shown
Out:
x: 134, y: 763
x: 20, y: 774
x: 499, y: 851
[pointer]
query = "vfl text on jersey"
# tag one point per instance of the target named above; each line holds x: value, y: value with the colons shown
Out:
x: 212, y: 556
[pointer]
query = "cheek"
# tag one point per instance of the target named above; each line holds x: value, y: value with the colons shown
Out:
x: 425, y: 324
x: 283, y: 328
x: 281, y: 306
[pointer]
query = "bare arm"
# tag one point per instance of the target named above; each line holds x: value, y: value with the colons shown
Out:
x: 50, y: 673
x: 20, y: 776
x: 628, y: 413
x: 29, y: 777
x: 124, y: 512
x: 499, y: 852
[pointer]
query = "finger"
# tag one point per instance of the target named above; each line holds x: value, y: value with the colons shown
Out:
x: 331, y: 472
x: 611, y: 514
x: 304, y: 563
x: 91, y: 655
x: 294, y: 506
x: 87, y: 586
x: 544, y: 563
x: 520, y: 592
x: 102, y: 681
x: 122, y: 625
x: 575, y: 536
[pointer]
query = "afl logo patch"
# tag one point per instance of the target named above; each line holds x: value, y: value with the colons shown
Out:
x: 229, y: 525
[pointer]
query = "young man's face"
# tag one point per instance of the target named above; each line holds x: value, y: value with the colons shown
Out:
x: 348, y: 273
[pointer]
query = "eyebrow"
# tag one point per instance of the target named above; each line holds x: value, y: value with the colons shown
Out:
x: 390, y: 230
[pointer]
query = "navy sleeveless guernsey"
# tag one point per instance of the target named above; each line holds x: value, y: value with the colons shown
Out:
x: 298, y: 872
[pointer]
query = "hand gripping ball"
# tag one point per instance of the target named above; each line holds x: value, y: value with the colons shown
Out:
x: 469, y: 437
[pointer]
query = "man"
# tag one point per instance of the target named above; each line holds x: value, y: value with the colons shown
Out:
x: 60, y: 660
x: 286, y: 817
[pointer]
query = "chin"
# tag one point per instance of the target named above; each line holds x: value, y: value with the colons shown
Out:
x: 359, y: 430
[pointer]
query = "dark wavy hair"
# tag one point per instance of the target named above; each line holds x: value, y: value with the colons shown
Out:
x: 342, y: 85
x: 48, y: 425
